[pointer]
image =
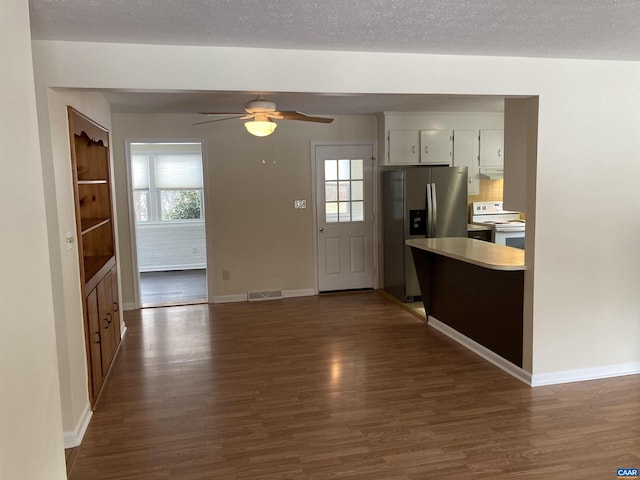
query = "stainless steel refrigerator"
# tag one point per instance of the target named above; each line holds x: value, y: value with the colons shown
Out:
x: 419, y: 202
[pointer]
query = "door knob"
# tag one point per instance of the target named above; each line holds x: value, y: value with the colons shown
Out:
x: 321, y: 229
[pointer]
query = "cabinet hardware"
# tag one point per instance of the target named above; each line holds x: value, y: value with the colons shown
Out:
x: 99, y: 337
x: 115, y: 306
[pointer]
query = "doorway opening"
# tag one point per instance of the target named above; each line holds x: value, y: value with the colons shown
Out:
x: 167, y: 193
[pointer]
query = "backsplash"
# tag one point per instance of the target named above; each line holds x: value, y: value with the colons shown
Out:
x: 490, y: 190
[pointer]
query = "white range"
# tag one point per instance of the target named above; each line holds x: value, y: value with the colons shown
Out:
x: 506, y: 226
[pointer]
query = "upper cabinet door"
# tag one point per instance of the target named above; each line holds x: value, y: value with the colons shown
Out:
x: 404, y: 146
x: 436, y: 147
x: 491, y: 148
x: 465, y: 154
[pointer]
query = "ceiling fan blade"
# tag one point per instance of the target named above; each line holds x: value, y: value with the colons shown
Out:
x: 222, y: 113
x: 223, y: 119
x: 291, y: 115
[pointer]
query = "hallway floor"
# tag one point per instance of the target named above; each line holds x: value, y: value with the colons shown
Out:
x: 176, y: 287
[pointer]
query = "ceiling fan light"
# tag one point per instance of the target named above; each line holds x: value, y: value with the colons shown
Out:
x: 260, y: 128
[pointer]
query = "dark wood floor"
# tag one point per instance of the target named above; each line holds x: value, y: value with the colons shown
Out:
x: 173, y: 288
x: 339, y: 387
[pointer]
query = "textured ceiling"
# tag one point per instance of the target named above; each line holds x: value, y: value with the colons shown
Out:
x: 594, y: 29
x: 589, y: 29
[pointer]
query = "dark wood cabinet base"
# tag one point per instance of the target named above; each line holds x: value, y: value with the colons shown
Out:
x: 483, y: 304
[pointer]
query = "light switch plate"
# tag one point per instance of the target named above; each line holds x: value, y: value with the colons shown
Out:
x: 69, y: 239
x: 300, y: 204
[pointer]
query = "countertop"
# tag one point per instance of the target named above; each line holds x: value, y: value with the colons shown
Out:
x: 475, y: 227
x: 476, y: 252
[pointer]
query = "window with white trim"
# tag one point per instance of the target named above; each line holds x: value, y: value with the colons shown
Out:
x: 167, y: 182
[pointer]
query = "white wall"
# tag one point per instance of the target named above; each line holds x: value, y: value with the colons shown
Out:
x: 175, y: 246
x: 31, y: 445
x: 253, y: 230
x: 585, y: 302
x: 65, y: 270
x: 443, y: 120
x: 58, y: 188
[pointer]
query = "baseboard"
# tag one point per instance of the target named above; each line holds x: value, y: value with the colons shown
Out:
x: 305, y: 292
x: 584, y: 374
x: 129, y: 306
x: 73, y: 439
x: 171, y: 268
x: 481, y: 350
x: 230, y: 298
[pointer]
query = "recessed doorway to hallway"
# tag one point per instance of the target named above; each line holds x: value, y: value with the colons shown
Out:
x: 173, y: 287
x: 167, y: 195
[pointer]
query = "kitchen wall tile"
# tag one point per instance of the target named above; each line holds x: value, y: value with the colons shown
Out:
x: 490, y: 190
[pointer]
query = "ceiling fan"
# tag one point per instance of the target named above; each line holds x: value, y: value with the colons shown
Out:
x: 263, y: 113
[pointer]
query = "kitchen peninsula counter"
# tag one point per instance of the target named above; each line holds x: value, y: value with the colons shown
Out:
x: 482, y: 254
x: 475, y: 288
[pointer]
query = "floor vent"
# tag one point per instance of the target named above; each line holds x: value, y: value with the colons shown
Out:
x: 266, y: 295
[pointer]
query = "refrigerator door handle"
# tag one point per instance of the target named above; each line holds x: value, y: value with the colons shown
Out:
x: 434, y: 210
x: 429, y: 208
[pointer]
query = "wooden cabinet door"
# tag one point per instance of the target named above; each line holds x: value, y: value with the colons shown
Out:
x: 103, y: 320
x: 95, y: 342
x: 105, y: 311
x: 404, y: 146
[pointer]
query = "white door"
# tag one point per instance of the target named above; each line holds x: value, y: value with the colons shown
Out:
x: 436, y: 147
x: 344, y: 212
x: 465, y: 154
x: 491, y: 148
x: 404, y: 146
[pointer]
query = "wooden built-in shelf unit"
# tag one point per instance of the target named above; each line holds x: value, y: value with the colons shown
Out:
x: 90, y: 162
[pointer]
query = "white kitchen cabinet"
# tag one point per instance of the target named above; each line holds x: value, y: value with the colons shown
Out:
x: 465, y: 154
x: 404, y: 146
x: 436, y: 147
x: 491, y: 148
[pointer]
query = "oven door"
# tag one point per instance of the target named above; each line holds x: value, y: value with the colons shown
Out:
x: 510, y: 239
